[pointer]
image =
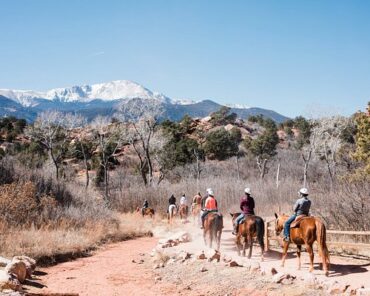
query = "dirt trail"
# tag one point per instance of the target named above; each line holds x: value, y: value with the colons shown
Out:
x: 111, y: 271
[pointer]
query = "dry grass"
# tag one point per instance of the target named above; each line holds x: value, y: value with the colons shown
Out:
x: 63, y: 242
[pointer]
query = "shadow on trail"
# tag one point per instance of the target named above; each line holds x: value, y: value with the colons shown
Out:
x: 337, y: 270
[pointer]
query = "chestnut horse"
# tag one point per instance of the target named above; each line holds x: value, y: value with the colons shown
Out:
x: 196, y: 207
x: 252, y: 227
x: 310, y: 229
x: 183, y: 212
x: 147, y: 212
x: 213, y: 224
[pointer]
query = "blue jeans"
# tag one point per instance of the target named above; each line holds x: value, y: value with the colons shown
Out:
x: 240, y: 218
x: 287, y: 225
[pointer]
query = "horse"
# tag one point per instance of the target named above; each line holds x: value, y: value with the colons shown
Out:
x: 183, y: 211
x: 213, y: 224
x: 172, y: 211
x: 308, y: 231
x: 145, y: 212
x: 196, y: 207
x: 253, y: 226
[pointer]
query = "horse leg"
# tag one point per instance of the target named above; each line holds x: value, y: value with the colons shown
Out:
x: 245, y: 243
x: 219, y: 240
x: 205, y: 236
x: 250, y: 239
x: 285, y: 251
x: 310, y: 252
x: 299, y: 249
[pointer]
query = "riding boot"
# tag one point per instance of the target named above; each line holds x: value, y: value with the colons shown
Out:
x: 235, y: 230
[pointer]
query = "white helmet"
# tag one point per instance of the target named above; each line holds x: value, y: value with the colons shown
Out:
x: 210, y: 192
x: 247, y: 190
x: 303, y: 191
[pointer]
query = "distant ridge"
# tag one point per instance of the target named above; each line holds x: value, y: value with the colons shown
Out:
x: 104, y: 98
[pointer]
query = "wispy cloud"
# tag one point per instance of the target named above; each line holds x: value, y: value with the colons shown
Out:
x: 95, y: 54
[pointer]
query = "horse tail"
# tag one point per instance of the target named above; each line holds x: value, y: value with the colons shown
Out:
x: 260, y: 226
x: 321, y: 240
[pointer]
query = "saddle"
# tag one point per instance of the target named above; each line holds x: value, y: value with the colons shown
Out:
x: 298, y: 220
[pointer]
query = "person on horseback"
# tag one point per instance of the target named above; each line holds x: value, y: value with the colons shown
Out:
x: 209, y: 206
x: 171, y: 201
x: 196, y: 199
x: 145, y: 206
x: 247, y: 207
x: 301, y: 207
x: 183, y: 200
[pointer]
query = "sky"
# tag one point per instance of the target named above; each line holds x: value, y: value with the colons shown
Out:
x: 294, y: 57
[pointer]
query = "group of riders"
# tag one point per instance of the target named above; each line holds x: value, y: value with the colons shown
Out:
x: 208, y: 204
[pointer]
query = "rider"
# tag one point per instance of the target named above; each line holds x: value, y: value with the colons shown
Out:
x: 171, y: 201
x: 145, y: 206
x: 210, y: 205
x: 196, y: 199
x: 301, y: 207
x: 247, y: 207
x: 183, y: 200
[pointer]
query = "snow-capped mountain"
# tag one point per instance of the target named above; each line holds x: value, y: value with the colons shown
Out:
x: 106, y: 98
x: 110, y: 91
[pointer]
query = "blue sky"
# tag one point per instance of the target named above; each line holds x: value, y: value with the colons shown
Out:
x: 289, y: 56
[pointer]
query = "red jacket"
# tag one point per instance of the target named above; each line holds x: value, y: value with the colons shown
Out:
x: 247, y: 205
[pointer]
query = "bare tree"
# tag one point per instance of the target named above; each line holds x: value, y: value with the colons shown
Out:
x: 48, y: 130
x: 143, y: 116
x: 108, y: 140
x: 74, y: 121
x: 327, y: 141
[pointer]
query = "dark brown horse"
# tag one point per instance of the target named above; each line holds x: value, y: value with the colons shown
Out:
x: 252, y: 227
x: 183, y: 212
x: 308, y: 231
x: 145, y: 212
x: 213, y: 224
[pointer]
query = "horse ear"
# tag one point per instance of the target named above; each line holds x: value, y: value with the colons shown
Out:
x: 276, y: 216
x: 231, y: 214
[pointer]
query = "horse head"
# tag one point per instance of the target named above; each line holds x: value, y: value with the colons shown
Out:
x: 234, y: 216
x: 279, y: 223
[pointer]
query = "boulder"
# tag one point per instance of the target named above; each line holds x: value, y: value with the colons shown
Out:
x: 273, y: 271
x: 184, y: 256
x: 203, y: 269
x: 226, y: 259
x: 202, y: 256
x: 9, y: 282
x: 214, y: 255
x: 18, y: 268
x: 233, y: 264
x: 363, y: 292
x: 280, y: 276
x: 185, y: 237
x: 310, y: 280
x: 337, y: 288
x: 4, y: 261
x: 254, y: 266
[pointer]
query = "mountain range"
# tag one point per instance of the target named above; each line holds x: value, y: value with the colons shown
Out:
x: 105, y: 98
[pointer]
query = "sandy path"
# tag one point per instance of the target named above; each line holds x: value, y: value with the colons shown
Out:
x: 110, y: 271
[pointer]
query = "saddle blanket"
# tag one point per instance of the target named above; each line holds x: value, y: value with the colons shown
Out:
x: 298, y: 220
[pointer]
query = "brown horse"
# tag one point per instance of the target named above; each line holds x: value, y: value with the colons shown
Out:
x: 145, y: 212
x: 213, y: 224
x: 183, y: 212
x: 252, y: 227
x: 310, y: 229
x: 196, y: 207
